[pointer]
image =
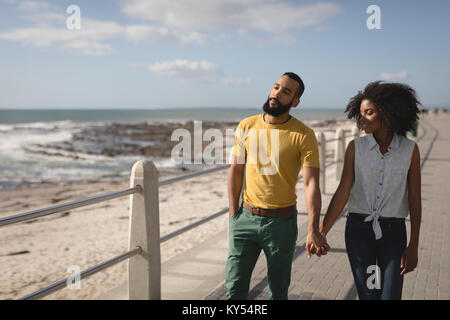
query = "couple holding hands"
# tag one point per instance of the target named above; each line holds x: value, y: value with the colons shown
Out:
x: 380, y: 185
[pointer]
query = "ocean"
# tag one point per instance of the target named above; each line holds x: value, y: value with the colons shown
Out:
x: 126, y: 116
x: 57, y: 146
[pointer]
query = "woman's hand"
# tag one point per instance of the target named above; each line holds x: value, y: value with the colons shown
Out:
x: 316, y: 243
x: 409, y: 260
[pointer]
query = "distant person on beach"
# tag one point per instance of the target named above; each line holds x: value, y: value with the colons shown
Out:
x: 272, y: 147
x: 380, y: 185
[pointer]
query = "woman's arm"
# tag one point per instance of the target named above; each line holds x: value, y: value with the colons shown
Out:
x: 342, y: 193
x: 410, y: 257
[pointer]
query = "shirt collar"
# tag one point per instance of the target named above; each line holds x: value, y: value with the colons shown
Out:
x: 395, y: 143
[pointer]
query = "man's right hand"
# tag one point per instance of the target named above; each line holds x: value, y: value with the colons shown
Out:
x: 316, y: 243
x: 232, y: 212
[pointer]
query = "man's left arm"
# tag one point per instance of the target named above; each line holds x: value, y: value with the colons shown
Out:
x: 315, y: 242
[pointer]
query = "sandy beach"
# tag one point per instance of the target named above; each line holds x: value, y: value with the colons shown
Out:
x: 37, y: 253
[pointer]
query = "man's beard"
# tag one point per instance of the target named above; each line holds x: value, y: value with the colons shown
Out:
x: 276, y: 111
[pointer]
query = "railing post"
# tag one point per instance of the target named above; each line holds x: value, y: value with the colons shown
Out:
x: 144, y: 270
x: 355, y: 132
x: 339, y: 152
x: 321, y: 141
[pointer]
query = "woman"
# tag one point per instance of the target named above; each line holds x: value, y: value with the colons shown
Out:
x: 381, y: 183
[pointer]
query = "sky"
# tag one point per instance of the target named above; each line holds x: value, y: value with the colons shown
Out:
x: 149, y: 54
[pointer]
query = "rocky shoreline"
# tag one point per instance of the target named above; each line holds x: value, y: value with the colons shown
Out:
x: 148, y: 139
x: 119, y: 139
x: 107, y: 151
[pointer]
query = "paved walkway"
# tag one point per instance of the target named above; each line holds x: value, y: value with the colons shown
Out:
x: 199, y: 273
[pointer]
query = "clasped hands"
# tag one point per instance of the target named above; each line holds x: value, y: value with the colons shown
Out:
x: 316, y: 243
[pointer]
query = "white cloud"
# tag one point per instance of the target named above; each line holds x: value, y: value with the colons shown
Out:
x: 87, y: 40
x: 171, y: 22
x: 187, y: 70
x: 90, y: 48
x: 33, y: 5
x: 387, y: 76
x: 237, y: 15
x: 154, y: 34
x: 41, y: 13
x: 50, y: 30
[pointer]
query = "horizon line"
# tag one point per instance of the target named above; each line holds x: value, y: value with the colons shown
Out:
x: 155, y: 109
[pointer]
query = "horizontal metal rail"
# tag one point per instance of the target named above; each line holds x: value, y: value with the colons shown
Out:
x: 67, y: 206
x: 331, y: 163
x: 331, y: 140
x: 193, y: 225
x: 192, y: 175
x: 84, y: 274
x: 81, y: 203
x: 335, y: 139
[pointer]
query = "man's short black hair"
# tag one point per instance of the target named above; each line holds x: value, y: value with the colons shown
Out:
x: 301, y: 85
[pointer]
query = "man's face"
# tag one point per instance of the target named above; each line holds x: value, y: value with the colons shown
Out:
x: 282, y: 97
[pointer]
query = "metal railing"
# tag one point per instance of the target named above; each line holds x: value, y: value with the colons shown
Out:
x: 144, y: 240
x: 86, y: 273
x: 67, y: 206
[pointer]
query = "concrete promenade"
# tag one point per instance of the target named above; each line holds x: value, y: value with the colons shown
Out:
x: 199, y: 273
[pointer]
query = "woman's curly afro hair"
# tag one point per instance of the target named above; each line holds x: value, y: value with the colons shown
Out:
x: 397, y: 102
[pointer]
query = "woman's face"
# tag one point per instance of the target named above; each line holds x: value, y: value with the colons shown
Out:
x: 371, y: 118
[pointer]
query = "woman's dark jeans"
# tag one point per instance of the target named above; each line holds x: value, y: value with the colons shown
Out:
x: 364, y: 252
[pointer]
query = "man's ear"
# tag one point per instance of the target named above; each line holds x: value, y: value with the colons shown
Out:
x: 295, y: 102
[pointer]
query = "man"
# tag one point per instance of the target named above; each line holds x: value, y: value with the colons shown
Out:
x: 272, y: 147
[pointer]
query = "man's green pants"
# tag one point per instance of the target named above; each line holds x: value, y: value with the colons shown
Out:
x: 248, y: 235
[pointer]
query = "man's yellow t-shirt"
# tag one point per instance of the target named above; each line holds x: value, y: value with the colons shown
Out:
x: 273, y: 155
